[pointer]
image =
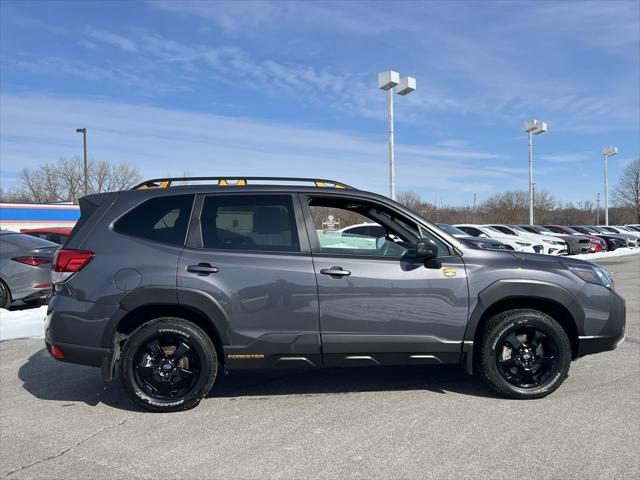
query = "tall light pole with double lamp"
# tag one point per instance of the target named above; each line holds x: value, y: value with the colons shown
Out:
x: 83, y: 131
x: 607, y: 151
x: 532, y: 127
x: 391, y: 81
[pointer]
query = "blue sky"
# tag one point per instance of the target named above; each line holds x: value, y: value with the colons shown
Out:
x: 289, y: 88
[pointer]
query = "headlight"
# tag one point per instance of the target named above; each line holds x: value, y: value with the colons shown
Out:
x: 523, y: 244
x: 490, y: 246
x: 550, y: 242
x: 593, y: 274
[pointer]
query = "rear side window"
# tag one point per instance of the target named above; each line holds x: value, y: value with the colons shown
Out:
x: 161, y: 219
x: 249, y: 222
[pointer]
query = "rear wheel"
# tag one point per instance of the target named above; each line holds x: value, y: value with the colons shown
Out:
x: 524, y: 354
x: 168, y: 364
x: 5, y: 295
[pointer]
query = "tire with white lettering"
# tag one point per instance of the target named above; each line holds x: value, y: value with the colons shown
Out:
x: 524, y: 354
x: 168, y: 364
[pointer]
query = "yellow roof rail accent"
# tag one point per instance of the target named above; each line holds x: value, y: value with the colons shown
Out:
x: 163, y: 184
x: 223, y: 182
x: 319, y: 183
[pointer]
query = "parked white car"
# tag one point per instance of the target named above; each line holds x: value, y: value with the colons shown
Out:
x: 551, y: 246
x: 625, y: 230
x: 483, y: 231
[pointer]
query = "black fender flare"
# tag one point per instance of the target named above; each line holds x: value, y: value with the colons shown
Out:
x: 507, y: 289
x: 156, y: 296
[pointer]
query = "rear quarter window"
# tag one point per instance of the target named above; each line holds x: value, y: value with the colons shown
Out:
x: 160, y: 219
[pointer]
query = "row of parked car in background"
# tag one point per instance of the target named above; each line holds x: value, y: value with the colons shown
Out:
x: 26, y: 257
x: 544, y: 239
x: 552, y: 239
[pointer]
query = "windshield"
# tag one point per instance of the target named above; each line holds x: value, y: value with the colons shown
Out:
x: 543, y: 230
x: 494, y: 231
x: 451, y: 229
x: 519, y: 229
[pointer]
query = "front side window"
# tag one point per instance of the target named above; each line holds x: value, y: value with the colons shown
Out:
x: 249, y: 222
x: 349, y: 227
x: 161, y: 219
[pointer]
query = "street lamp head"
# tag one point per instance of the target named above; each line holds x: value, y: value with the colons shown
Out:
x: 81, y: 130
x: 406, y: 86
x: 535, y: 127
x: 542, y: 128
x: 387, y: 80
x: 609, y: 150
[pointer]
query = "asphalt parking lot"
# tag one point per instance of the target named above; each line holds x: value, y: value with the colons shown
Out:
x: 59, y: 421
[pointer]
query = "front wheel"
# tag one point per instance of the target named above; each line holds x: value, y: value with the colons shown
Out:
x: 168, y: 364
x: 524, y: 354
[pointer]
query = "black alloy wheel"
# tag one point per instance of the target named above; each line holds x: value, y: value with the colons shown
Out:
x: 167, y: 366
x: 523, y: 353
x: 528, y: 357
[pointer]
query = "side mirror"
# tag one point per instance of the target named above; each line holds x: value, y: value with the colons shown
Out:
x: 425, y: 249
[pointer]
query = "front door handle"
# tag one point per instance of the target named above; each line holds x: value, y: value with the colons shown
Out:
x: 202, y: 269
x: 335, y: 272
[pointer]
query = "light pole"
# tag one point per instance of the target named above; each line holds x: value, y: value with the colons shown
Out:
x: 607, y: 151
x: 388, y: 81
x: 83, y: 131
x: 475, y: 197
x: 532, y: 127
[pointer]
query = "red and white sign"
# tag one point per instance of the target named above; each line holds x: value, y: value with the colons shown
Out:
x: 330, y: 224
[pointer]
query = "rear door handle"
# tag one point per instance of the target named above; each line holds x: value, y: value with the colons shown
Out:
x: 202, y: 269
x: 335, y: 272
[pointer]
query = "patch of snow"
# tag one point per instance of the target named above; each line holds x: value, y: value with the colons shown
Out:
x: 620, y: 252
x: 28, y: 323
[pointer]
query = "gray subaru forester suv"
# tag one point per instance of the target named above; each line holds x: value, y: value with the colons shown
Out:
x: 168, y: 283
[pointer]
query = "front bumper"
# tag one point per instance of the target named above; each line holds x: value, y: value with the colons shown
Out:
x: 604, y: 321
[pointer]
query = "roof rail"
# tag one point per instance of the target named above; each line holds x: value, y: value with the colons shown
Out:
x: 237, y: 181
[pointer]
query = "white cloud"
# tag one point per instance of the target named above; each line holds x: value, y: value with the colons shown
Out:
x: 567, y: 157
x: 110, y: 38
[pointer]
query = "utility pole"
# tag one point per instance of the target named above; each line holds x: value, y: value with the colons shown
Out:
x: 475, y: 197
x: 607, y: 151
x: 532, y: 127
x: 83, y: 131
x: 598, y: 209
x: 532, y: 216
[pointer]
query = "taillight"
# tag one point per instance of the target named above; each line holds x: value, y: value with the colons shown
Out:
x: 67, y: 262
x: 32, y: 261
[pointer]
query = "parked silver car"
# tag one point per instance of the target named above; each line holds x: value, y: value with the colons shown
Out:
x: 25, y: 268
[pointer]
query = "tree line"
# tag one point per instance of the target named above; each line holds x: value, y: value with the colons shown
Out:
x: 63, y: 181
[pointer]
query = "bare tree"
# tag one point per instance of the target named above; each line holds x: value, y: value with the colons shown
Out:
x: 627, y: 192
x: 64, y: 179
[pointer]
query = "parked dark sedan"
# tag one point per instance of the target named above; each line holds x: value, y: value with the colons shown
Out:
x: 25, y: 268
